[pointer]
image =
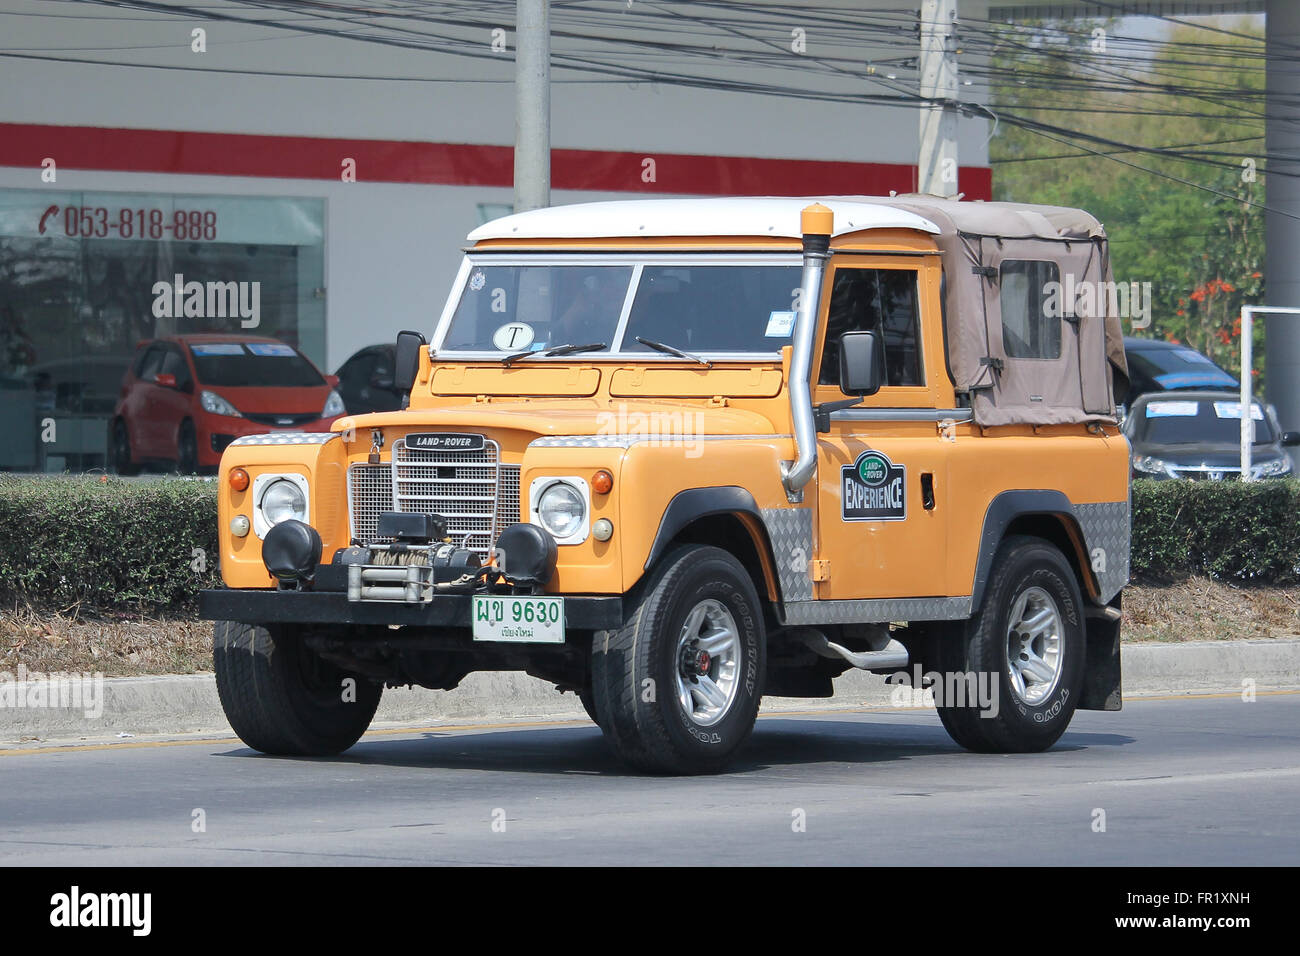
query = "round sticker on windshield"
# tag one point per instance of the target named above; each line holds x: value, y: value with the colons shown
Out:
x: 478, y: 280
x: 513, y: 336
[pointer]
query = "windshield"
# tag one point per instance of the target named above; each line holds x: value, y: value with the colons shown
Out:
x: 1181, y: 422
x: 697, y: 307
x: 236, y: 364
x: 1178, y: 368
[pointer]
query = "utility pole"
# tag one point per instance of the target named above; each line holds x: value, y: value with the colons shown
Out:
x: 1248, y: 313
x: 937, y: 165
x: 532, y: 105
x: 1281, y: 230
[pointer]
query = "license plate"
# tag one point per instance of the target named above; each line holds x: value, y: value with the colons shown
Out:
x: 518, y: 620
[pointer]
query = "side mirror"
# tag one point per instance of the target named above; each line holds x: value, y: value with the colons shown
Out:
x: 1291, y: 439
x: 165, y: 379
x: 332, y: 381
x: 406, y: 364
x: 862, y: 363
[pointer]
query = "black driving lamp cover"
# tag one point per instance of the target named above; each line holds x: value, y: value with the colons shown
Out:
x: 291, y: 551
x: 526, y: 554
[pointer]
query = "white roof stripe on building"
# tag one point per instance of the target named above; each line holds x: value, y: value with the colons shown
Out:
x: 731, y: 216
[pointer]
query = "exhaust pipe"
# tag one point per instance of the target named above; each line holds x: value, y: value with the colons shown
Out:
x: 892, y: 656
x: 816, y: 224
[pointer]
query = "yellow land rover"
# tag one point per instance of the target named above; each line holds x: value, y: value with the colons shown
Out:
x: 674, y: 455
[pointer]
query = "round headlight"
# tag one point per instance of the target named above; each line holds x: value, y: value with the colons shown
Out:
x: 561, y: 509
x: 283, y: 500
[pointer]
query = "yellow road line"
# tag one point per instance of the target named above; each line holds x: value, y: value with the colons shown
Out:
x: 1235, y: 693
x: 533, y: 724
x: 124, y: 745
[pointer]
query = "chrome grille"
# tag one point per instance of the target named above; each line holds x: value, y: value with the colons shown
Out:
x: 507, y: 499
x: 370, y: 492
x: 1205, y: 472
x: 471, y: 489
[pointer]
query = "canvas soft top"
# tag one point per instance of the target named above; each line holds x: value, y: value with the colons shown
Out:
x: 1089, y: 376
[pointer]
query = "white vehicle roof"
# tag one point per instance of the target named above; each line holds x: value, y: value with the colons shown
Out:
x: 732, y: 216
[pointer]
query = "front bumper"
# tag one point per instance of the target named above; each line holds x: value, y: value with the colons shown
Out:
x: 265, y: 606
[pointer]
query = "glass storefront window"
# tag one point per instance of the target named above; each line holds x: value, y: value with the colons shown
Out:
x: 86, y: 276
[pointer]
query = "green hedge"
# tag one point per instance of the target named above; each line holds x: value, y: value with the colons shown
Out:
x: 108, y: 544
x: 104, y: 543
x: 1225, y: 529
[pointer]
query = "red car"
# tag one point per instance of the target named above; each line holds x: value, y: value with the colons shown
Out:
x: 186, y: 397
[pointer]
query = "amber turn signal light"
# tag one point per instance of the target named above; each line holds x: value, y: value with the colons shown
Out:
x: 602, y: 481
x: 238, y: 479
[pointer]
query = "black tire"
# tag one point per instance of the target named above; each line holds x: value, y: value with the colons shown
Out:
x: 281, y: 698
x: 1020, y: 721
x: 589, y: 704
x: 635, y: 669
x: 187, y: 449
x: 122, y: 450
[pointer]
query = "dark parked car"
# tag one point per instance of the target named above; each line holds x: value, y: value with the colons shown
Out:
x: 1155, y: 365
x: 366, y: 381
x: 1197, y: 434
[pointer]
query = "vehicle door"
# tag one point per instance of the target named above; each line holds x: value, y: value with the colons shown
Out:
x: 141, y: 406
x: 882, y: 465
x: 175, y: 401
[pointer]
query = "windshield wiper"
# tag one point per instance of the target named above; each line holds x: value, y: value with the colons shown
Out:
x: 558, y: 350
x: 673, y: 350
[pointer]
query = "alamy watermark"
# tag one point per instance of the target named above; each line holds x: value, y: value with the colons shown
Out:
x: 53, y: 691
x: 947, y: 689
x: 208, y: 300
x: 1089, y: 299
x: 677, y: 428
x: 133, y: 911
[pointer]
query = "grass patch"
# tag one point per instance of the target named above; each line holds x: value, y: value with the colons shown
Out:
x: 116, y: 646
x: 1204, y: 609
x: 1198, y: 609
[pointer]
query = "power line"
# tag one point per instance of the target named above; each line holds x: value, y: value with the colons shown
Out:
x: 1155, y: 172
x: 371, y: 25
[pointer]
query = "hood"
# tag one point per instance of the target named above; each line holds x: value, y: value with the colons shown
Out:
x: 575, y: 417
x: 270, y: 400
x: 1207, y: 453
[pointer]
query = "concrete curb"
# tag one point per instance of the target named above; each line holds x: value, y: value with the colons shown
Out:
x: 140, y: 706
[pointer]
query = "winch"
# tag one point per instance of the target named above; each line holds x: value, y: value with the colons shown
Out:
x: 419, y: 562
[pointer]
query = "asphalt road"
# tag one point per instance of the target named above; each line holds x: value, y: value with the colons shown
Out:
x: 1181, y: 781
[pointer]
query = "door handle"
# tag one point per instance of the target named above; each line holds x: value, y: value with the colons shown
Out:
x: 927, y: 490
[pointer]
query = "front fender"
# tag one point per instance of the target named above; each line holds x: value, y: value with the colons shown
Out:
x: 694, y: 503
x: 320, y: 458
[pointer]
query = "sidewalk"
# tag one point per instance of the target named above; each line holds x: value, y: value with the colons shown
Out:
x: 188, y: 704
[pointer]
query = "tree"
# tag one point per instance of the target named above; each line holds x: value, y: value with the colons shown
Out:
x: 1202, y: 250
